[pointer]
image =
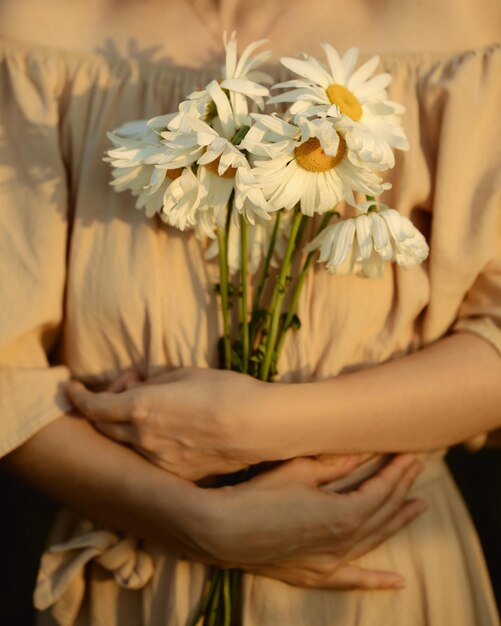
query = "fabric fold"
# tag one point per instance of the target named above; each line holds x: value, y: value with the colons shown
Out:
x: 61, y: 579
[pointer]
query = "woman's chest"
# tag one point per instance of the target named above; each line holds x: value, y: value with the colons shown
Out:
x: 141, y: 294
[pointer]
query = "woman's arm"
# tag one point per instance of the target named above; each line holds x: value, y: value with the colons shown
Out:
x: 195, y: 422
x: 307, y: 536
x: 72, y: 463
x: 439, y: 396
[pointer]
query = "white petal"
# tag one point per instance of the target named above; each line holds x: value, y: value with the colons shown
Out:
x: 396, y: 224
x: 349, y: 59
x: 245, y: 87
x: 335, y: 65
x: 307, y: 70
x: 373, y: 267
x: 223, y: 106
x: 373, y: 86
x: 364, y: 237
x: 363, y: 73
x: 382, y: 243
x: 276, y: 125
x: 344, y: 241
x: 309, y: 198
x: 246, y: 55
x: 231, y: 54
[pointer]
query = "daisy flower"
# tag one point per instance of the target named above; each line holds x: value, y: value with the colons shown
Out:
x: 356, y: 102
x: 193, y: 148
x: 364, y: 243
x: 137, y: 149
x: 306, y: 163
x: 180, y: 205
x: 241, y: 80
x: 222, y: 170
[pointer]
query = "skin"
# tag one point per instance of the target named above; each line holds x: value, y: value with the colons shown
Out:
x: 196, y: 422
x: 307, y: 535
x: 139, y: 26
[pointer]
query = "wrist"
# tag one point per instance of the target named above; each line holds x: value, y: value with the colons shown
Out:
x: 243, y: 419
x: 204, y: 524
x: 283, y: 420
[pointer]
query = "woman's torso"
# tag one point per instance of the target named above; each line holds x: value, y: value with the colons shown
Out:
x: 138, y: 293
x: 142, y: 291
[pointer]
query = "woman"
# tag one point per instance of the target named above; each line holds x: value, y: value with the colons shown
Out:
x: 148, y: 321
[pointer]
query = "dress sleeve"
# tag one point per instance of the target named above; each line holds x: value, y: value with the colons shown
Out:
x: 466, y: 232
x: 480, y: 311
x: 33, y: 239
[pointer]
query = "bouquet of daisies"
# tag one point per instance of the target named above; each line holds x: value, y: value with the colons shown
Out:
x: 254, y: 184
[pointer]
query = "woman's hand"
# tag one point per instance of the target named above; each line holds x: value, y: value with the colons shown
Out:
x: 307, y: 535
x: 191, y: 422
x: 284, y: 525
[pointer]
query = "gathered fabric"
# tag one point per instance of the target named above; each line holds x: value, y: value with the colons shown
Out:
x: 61, y: 580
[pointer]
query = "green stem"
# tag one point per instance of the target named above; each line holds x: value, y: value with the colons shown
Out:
x: 244, y: 320
x: 298, y: 288
x: 206, y: 596
x: 278, y: 296
x: 240, y: 135
x: 236, y: 590
x: 213, y: 608
x: 227, y: 618
x: 222, y: 239
x: 267, y: 262
x: 374, y: 206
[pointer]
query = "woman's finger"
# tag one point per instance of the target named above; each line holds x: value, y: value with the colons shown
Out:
x: 171, y: 376
x: 324, y: 573
x: 349, y: 577
x: 375, y: 491
x: 125, y: 381
x: 103, y: 406
x: 393, y: 502
x: 309, y: 471
x: 407, y: 513
x: 121, y: 432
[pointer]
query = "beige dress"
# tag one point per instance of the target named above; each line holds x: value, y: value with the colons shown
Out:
x: 90, y: 287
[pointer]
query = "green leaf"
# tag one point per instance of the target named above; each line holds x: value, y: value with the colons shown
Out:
x: 236, y: 361
x: 220, y: 353
x: 240, y: 135
x: 295, y: 322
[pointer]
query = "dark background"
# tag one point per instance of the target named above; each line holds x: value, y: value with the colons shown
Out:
x: 25, y: 517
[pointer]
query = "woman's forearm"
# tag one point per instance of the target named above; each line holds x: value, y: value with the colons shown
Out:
x: 71, y: 462
x: 198, y: 422
x: 436, y: 397
x: 306, y: 535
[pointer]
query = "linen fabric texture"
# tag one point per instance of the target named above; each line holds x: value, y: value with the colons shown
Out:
x: 90, y: 287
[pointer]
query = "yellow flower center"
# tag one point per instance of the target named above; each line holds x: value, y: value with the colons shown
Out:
x: 348, y: 104
x: 310, y: 155
x: 175, y: 173
x: 213, y: 166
